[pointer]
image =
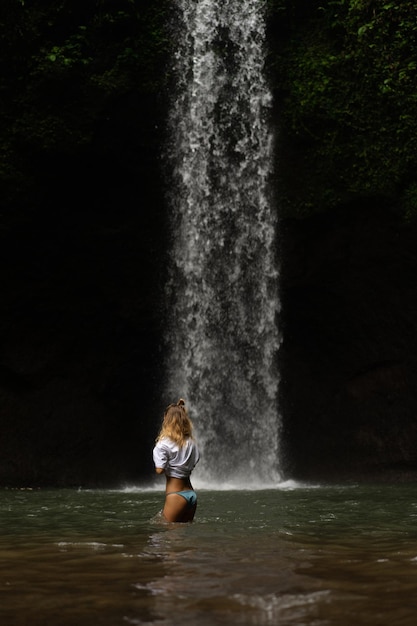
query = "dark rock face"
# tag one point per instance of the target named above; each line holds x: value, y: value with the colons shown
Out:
x: 83, y: 256
x: 80, y: 315
x: 349, y: 357
x: 82, y: 366
x: 80, y: 348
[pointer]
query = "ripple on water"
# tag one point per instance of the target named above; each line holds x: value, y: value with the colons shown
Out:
x: 327, y: 556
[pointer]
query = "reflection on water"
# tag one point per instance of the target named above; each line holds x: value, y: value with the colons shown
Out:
x: 304, y: 556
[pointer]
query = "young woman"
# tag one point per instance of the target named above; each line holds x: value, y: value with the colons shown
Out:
x: 175, y: 455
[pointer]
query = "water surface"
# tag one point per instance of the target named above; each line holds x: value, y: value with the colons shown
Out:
x: 296, y: 556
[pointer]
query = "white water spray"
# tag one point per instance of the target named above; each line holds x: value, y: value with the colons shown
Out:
x: 223, y: 298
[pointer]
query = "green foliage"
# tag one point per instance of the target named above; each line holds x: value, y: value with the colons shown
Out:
x: 410, y: 202
x: 72, y: 53
x: 64, y: 65
x: 344, y: 74
x: 348, y: 85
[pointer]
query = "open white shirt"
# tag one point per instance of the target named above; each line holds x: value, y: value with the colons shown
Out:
x: 178, y: 462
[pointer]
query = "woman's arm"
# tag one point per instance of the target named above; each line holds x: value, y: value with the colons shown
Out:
x: 159, y: 470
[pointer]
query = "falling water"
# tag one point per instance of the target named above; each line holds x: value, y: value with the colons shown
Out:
x: 223, y: 291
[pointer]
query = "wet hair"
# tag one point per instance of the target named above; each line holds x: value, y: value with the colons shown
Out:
x: 176, y: 424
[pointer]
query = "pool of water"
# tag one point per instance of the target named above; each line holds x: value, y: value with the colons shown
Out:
x: 300, y: 555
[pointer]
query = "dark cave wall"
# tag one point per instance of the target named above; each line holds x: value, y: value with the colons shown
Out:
x: 82, y: 274
x: 82, y: 239
x: 83, y: 245
x: 349, y: 356
x: 82, y: 363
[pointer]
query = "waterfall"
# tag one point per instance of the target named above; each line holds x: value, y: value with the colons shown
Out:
x: 223, y: 298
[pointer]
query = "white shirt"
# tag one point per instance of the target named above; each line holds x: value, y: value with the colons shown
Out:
x: 178, y: 462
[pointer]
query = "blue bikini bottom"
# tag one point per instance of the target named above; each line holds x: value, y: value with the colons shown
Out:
x: 189, y: 495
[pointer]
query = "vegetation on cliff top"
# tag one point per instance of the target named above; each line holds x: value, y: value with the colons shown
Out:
x: 343, y: 72
x: 65, y: 68
x: 345, y: 76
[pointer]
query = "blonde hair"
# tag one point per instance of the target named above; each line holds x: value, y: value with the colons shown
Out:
x: 176, y: 424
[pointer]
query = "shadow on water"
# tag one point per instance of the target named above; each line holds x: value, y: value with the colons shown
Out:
x: 314, y: 556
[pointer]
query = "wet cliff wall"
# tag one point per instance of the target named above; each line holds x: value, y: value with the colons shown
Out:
x: 82, y: 241
x: 348, y: 360
x: 83, y: 244
x: 346, y: 184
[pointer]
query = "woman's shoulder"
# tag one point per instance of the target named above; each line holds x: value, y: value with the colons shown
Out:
x: 191, y: 443
x: 166, y: 442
